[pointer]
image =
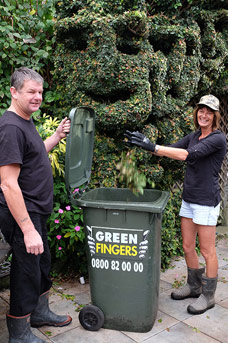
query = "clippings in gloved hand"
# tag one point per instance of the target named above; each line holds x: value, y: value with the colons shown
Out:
x: 129, y: 174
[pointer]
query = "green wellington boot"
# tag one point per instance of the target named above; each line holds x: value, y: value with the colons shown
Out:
x: 207, y: 298
x: 20, y: 330
x: 42, y: 315
x: 193, y: 287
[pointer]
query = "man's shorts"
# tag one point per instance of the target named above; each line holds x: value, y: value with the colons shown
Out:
x: 200, y: 214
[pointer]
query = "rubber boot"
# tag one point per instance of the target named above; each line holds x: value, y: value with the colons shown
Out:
x: 20, y: 330
x: 207, y: 298
x: 42, y: 315
x: 193, y: 287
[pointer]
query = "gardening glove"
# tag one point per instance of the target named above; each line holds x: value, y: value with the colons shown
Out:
x: 140, y: 140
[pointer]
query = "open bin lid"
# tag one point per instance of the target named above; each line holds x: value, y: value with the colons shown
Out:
x: 79, y: 147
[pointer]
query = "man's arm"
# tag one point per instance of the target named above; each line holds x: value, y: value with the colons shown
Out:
x: 60, y: 133
x: 13, y: 195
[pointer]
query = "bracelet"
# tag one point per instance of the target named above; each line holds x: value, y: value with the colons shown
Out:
x: 157, y: 147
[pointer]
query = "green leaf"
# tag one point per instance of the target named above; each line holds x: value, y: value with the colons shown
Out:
x: 68, y: 234
x: 32, y: 12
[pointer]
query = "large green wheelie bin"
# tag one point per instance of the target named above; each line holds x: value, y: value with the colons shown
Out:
x: 123, y: 240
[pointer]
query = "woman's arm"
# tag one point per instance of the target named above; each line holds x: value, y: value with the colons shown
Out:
x: 140, y: 140
x: 174, y: 153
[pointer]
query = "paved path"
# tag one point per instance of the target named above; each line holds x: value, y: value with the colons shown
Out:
x: 173, y: 323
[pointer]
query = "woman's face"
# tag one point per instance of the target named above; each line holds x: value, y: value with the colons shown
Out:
x: 205, y: 117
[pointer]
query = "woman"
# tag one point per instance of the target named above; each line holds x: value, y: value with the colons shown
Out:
x: 203, y: 151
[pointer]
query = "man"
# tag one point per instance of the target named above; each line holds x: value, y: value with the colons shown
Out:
x: 26, y: 200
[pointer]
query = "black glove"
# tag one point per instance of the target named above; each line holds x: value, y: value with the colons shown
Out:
x: 140, y: 140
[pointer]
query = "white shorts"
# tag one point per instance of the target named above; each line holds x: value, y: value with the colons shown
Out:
x: 202, y: 215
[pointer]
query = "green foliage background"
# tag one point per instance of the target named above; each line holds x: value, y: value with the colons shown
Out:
x: 141, y: 68
x: 26, y: 39
x: 142, y: 65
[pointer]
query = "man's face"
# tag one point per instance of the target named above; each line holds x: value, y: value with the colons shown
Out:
x: 29, y: 97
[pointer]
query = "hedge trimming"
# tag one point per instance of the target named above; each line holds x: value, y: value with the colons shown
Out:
x: 136, y: 69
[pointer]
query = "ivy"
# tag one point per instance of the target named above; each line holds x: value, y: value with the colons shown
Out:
x: 142, y: 65
x: 26, y: 39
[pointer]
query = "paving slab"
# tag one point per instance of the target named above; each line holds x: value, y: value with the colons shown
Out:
x: 5, y: 295
x: 80, y: 293
x: 177, y: 272
x: 80, y: 335
x: 221, y: 248
x: 221, y: 291
x: 181, y: 333
x: 174, y: 308
x: 224, y: 303
x: 213, y: 323
x: 3, y: 309
x: 164, y: 286
x: 162, y: 322
x: 4, y: 336
x: 71, y: 287
x: 223, y: 273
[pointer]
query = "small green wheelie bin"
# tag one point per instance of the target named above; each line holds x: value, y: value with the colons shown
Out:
x: 123, y: 240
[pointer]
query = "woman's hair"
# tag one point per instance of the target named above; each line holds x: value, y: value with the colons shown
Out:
x: 216, y: 120
x: 22, y: 74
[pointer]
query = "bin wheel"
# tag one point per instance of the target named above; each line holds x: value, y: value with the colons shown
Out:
x: 91, y: 318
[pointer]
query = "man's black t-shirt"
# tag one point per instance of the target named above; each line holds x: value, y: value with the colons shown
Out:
x: 201, y: 182
x: 20, y: 143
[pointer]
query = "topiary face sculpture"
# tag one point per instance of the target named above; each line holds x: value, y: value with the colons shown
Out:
x: 137, y: 71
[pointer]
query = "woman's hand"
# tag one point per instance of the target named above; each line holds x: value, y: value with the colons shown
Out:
x: 138, y: 139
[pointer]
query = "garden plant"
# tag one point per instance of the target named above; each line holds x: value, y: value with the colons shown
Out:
x: 142, y: 65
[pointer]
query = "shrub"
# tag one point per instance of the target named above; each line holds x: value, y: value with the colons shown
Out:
x: 26, y: 39
x: 171, y: 242
x: 138, y: 70
x: 66, y: 235
x: 141, y: 65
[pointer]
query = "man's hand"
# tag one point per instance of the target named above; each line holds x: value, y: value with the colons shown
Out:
x: 140, y: 140
x: 33, y: 242
x: 64, y: 128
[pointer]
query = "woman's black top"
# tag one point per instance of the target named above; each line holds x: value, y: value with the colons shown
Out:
x: 204, y: 161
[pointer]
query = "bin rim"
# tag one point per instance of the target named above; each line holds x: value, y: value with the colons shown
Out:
x: 157, y: 206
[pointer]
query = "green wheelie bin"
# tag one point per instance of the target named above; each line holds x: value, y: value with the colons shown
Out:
x: 123, y: 240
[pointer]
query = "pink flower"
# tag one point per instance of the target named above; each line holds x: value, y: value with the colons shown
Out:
x: 68, y: 208
x: 76, y: 190
x: 58, y: 236
x: 60, y: 248
x: 56, y: 221
x: 60, y: 210
x: 77, y: 228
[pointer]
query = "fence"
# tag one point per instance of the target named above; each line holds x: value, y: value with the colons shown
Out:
x: 224, y: 171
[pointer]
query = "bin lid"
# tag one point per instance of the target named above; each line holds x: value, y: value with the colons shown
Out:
x: 79, y: 147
